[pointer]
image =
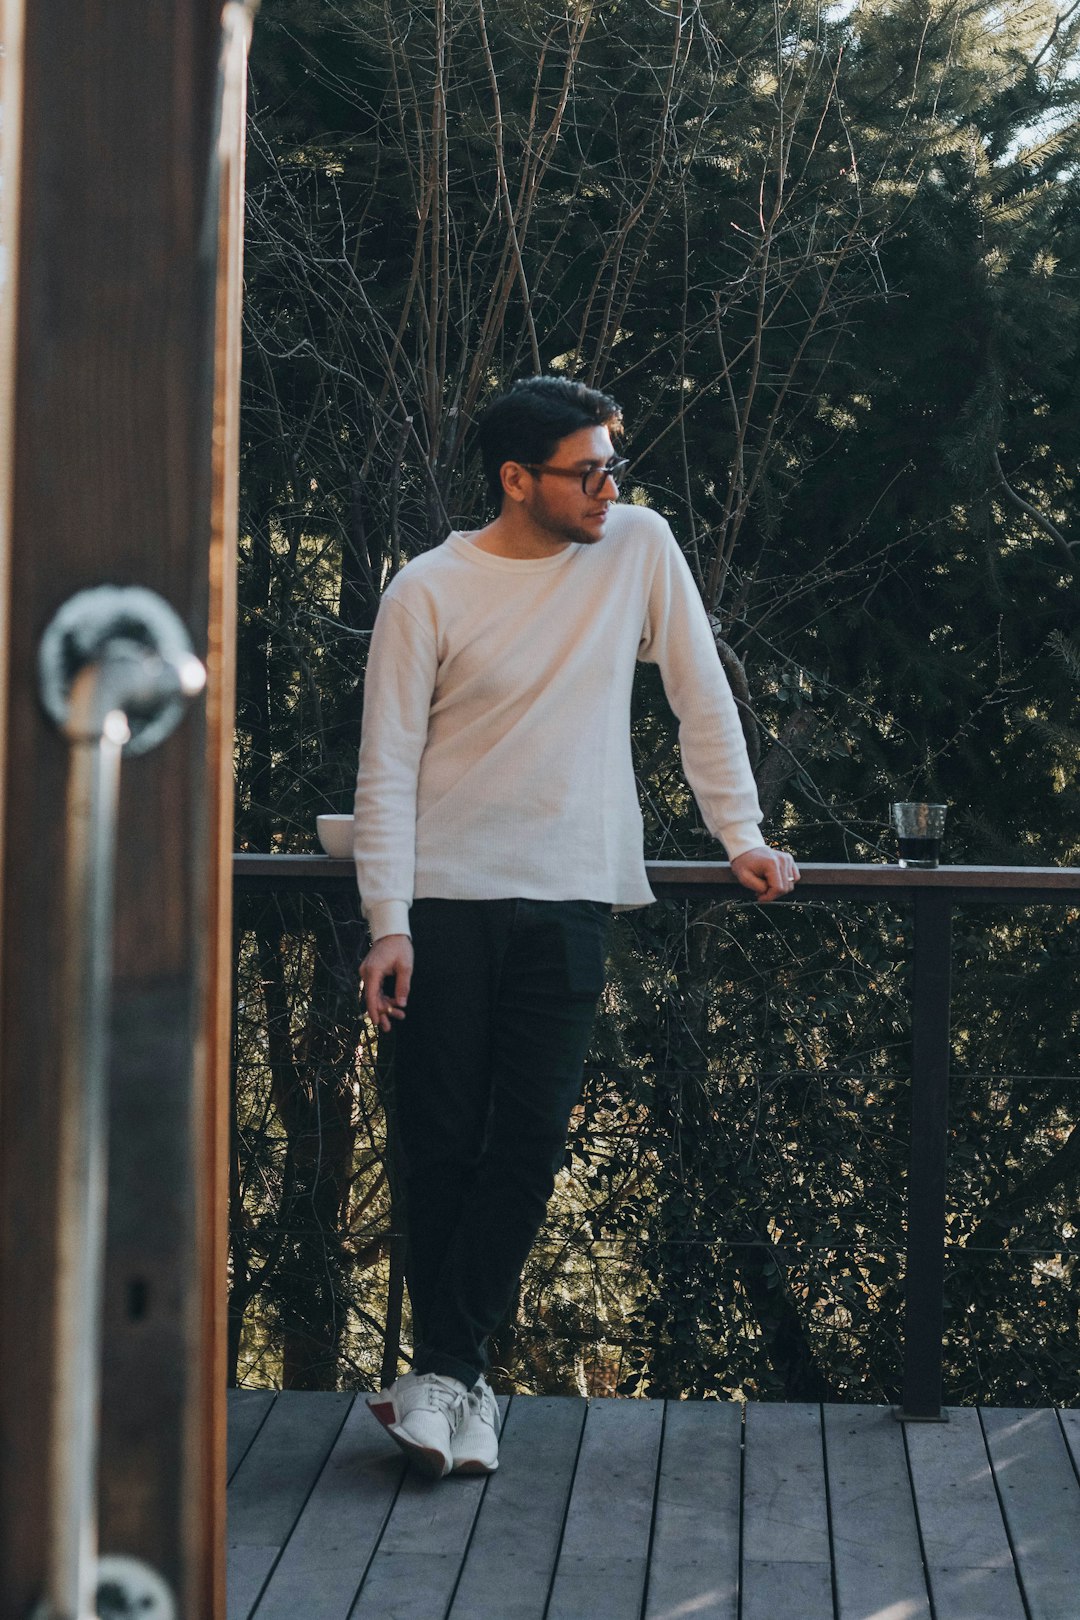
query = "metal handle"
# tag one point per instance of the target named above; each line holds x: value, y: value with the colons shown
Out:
x: 116, y: 670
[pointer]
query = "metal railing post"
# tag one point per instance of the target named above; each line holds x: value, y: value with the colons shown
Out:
x: 924, y: 1314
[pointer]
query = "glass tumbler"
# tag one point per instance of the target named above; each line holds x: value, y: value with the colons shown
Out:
x: 919, y: 829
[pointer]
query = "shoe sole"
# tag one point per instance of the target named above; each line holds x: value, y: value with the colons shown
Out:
x: 473, y: 1465
x: 427, y: 1458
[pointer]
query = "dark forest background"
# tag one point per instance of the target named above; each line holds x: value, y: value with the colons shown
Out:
x: 827, y: 260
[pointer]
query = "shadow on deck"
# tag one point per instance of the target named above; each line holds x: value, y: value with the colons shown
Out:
x: 652, y: 1510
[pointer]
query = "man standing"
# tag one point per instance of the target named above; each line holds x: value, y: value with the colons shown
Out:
x: 497, y: 824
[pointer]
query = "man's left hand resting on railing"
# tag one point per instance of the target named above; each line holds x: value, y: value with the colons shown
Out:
x: 769, y: 872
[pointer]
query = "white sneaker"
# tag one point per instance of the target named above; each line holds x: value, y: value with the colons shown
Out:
x: 421, y: 1411
x: 475, y: 1443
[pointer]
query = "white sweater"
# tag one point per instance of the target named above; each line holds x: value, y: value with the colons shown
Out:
x: 495, y: 759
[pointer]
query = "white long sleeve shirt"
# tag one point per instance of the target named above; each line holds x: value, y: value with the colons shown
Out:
x: 495, y: 759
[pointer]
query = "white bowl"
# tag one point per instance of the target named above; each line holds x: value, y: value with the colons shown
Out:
x: 336, y: 836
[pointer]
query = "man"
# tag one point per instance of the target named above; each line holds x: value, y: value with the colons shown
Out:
x: 497, y: 824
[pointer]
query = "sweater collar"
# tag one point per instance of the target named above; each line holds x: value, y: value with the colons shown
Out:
x: 463, y: 547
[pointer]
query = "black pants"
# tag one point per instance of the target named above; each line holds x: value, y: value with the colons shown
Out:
x: 487, y: 1066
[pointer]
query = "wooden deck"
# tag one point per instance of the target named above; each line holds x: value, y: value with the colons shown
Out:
x: 645, y: 1510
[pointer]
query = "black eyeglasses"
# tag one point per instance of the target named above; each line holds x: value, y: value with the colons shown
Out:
x: 593, y: 478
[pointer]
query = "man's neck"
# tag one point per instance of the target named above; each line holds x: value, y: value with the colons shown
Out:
x: 511, y: 535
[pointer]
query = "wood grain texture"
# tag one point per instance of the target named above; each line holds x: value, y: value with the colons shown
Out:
x: 711, y: 878
x: 877, y: 1561
x: 11, y: 95
x: 785, y: 1517
x: 416, y: 1566
x: 1040, y: 1498
x: 604, y: 1555
x: 967, y: 1554
x: 787, y: 1589
x: 281, y: 1466
x: 694, y: 1567
x: 1069, y: 1418
x: 246, y: 1410
x: 511, y: 1558
x: 110, y: 480
x: 247, y: 1570
x: 218, y: 964
x: 332, y: 1543
x: 490, y: 1549
x: 272, y: 1484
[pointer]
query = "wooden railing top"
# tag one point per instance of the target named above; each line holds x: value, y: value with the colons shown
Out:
x: 854, y: 879
x: 877, y: 875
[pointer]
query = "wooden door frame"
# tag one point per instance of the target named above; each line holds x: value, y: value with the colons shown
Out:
x: 119, y: 384
x: 11, y: 24
x: 237, y: 19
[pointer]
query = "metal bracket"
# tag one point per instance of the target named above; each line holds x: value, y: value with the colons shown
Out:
x: 128, y: 1589
x: 143, y: 642
x: 116, y: 668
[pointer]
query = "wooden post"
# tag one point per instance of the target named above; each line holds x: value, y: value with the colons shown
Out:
x: 11, y: 22
x: 221, y: 711
x: 123, y: 470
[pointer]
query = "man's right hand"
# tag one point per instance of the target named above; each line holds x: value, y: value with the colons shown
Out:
x: 386, y: 973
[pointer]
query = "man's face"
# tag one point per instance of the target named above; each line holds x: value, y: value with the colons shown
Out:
x: 557, y: 504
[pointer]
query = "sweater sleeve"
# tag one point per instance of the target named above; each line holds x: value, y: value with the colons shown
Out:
x: 398, y: 687
x: 677, y: 637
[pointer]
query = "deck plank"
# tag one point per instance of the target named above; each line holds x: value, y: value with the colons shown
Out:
x: 694, y: 1568
x: 970, y: 1566
x: 786, y: 1571
x: 1041, y: 1499
x: 247, y: 1408
x: 320, y: 1504
x: 246, y: 1572
x: 508, y: 1569
x: 415, y: 1567
x: 604, y: 1555
x: 1069, y: 1417
x: 271, y: 1485
x: 323, y: 1563
x: 877, y: 1561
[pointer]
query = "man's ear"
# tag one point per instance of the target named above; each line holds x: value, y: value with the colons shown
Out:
x: 514, y: 479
